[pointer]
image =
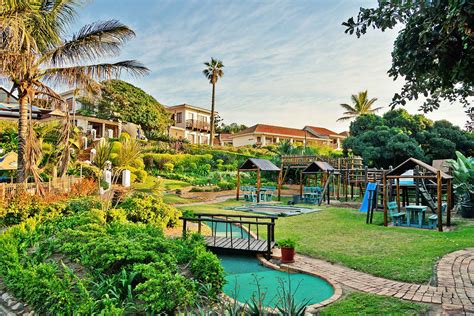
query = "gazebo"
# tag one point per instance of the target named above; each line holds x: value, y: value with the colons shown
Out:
x: 319, y: 168
x: 255, y: 165
x: 421, y: 172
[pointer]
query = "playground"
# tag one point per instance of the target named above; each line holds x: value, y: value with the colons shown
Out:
x: 398, y: 226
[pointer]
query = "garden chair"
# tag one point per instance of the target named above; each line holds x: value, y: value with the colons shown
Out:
x: 395, y: 214
x: 433, y: 219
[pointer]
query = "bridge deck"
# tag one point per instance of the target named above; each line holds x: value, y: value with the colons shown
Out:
x: 246, y: 244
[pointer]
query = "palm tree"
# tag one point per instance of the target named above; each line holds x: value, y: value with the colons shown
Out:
x: 361, y: 106
x: 36, y: 64
x: 213, y: 72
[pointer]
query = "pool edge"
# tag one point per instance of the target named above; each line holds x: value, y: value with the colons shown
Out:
x: 310, y: 308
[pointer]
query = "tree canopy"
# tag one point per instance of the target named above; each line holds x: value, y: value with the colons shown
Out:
x: 120, y: 99
x: 232, y: 128
x: 434, y: 50
x: 390, y: 139
x: 360, y: 105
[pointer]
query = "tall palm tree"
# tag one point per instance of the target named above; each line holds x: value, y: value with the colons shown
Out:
x: 36, y: 65
x: 361, y: 105
x: 213, y: 72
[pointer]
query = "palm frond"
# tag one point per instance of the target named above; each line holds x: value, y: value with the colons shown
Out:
x: 82, y: 75
x: 91, y: 42
x: 348, y: 107
x: 345, y: 118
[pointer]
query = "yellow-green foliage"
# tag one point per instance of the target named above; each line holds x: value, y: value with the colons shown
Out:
x: 116, y: 146
x: 179, y: 160
x: 124, y: 136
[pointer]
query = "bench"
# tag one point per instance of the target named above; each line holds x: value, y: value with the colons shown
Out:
x: 396, y: 216
x: 433, y: 219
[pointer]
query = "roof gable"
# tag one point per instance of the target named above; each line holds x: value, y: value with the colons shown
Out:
x: 257, y: 163
x: 411, y: 163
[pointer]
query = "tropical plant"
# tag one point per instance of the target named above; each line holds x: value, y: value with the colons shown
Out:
x: 213, y: 72
x: 44, y: 59
x: 287, y: 304
x: 128, y: 152
x: 361, y: 106
x: 463, y: 172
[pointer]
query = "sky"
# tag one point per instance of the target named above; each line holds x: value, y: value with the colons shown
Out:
x: 286, y: 63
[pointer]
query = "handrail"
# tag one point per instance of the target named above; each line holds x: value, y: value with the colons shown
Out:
x: 203, y: 219
x: 234, y: 215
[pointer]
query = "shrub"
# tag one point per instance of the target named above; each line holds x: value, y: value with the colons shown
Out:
x: 206, y: 269
x: 116, y: 147
x: 149, y: 209
x: 168, y: 167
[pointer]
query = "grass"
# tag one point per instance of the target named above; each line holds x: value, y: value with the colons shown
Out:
x: 176, y: 199
x: 152, y: 182
x: 341, y: 236
x: 369, y: 304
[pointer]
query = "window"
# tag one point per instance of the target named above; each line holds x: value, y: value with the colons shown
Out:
x: 70, y: 102
x: 259, y: 139
x: 179, y: 117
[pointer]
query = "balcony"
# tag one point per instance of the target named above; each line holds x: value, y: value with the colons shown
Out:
x: 198, y: 125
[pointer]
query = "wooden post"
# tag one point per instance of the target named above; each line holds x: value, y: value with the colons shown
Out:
x: 2, y: 191
x: 385, y: 197
x: 280, y: 179
x: 398, y: 194
x: 439, y: 191
x: 237, y: 194
x: 449, y: 201
x: 258, y: 185
x: 301, y: 183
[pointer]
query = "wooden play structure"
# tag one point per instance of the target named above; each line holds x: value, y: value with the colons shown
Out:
x: 348, y: 178
x: 323, y: 172
x: 431, y: 188
x: 255, y: 165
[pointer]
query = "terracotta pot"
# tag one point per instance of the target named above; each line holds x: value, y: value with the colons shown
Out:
x: 287, y: 255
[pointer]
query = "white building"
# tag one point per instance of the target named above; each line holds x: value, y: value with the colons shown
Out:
x: 191, y: 123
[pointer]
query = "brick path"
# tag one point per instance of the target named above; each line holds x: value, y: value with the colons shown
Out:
x: 455, y: 278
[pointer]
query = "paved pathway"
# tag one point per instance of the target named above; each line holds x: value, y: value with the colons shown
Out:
x: 455, y: 278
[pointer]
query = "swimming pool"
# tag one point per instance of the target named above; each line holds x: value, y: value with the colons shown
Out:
x: 243, y: 273
x: 276, y: 210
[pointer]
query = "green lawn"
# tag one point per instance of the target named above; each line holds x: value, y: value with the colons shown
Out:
x: 176, y: 199
x: 369, y: 304
x: 167, y: 184
x: 340, y: 235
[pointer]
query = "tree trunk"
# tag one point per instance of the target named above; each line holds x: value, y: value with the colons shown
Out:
x: 211, y: 141
x: 22, y: 137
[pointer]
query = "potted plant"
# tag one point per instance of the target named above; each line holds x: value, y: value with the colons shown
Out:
x: 463, y: 173
x: 287, y: 247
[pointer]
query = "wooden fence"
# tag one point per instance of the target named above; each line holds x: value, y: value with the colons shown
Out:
x: 58, y: 185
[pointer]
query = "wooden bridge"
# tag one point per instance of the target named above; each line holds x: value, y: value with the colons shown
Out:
x: 242, y: 233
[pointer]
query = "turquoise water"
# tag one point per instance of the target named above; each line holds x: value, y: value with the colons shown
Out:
x: 220, y: 228
x: 243, y: 272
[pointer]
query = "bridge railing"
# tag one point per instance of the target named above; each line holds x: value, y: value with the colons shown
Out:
x: 236, y: 227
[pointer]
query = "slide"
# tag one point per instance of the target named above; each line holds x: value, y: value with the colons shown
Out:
x: 365, y: 202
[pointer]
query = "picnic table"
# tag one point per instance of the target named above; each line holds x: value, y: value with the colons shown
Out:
x: 415, y: 212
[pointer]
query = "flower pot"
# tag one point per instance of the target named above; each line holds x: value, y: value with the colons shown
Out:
x: 287, y: 255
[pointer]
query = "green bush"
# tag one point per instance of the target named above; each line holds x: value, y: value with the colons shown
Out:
x: 206, y: 269
x: 168, y: 167
x: 95, y: 262
x: 145, y: 208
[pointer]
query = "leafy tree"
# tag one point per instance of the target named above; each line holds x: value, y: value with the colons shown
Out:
x: 213, y: 72
x: 121, y: 99
x: 389, y: 140
x: 232, y: 128
x: 361, y: 106
x: 46, y: 60
x: 433, y: 51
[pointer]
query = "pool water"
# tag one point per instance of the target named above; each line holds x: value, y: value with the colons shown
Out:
x: 243, y: 273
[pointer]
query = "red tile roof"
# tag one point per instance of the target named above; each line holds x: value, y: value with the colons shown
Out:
x: 321, y: 131
x: 278, y: 130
